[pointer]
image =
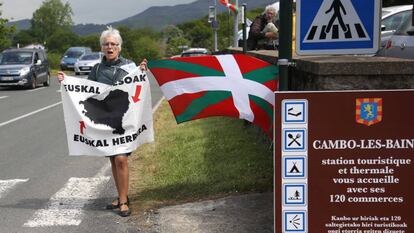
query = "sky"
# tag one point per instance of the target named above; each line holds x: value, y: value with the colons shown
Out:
x: 86, y: 11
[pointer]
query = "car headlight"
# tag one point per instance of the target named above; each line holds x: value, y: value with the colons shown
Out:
x: 24, y: 71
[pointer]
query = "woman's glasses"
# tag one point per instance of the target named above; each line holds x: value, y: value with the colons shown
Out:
x: 110, y: 44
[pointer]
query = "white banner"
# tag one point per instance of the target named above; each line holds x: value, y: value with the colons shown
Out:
x: 104, y: 120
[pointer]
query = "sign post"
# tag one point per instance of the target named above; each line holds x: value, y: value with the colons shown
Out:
x: 344, y: 162
x: 338, y: 26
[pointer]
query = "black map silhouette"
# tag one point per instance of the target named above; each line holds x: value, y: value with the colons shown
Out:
x: 108, y: 111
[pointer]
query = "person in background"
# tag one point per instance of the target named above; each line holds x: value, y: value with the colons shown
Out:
x: 109, y: 71
x: 263, y: 31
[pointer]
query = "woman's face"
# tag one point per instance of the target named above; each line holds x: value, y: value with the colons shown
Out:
x: 110, y: 48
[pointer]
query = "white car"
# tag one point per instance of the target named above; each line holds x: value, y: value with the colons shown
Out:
x: 194, y: 52
x: 401, y: 44
x: 392, y: 18
x: 86, y: 62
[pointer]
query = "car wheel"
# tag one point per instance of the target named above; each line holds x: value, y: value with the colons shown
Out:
x: 47, y: 82
x: 77, y: 73
x: 33, y: 83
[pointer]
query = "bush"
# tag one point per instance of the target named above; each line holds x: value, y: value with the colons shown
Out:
x: 54, y: 60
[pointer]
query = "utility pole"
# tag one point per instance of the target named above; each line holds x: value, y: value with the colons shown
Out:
x: 236, y: 26
x: 285, y: 43
x: 212, y: 18
x: 244, y: 23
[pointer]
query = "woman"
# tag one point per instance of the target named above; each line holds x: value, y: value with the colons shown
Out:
x: 109, y: 72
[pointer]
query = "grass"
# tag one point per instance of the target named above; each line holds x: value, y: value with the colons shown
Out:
x: 197, y: 160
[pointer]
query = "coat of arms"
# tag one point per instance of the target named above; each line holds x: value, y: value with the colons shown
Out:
x: 368, y: 111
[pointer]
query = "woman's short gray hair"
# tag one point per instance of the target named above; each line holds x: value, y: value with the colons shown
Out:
x: 111, y: 32
x: 273, y: 9
x: 270, y: 8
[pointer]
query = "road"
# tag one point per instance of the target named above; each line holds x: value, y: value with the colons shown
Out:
x: 42, y: 189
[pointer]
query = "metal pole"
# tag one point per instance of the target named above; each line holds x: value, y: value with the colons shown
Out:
x: 215, y: 27
x: 244, y: 6
x: 285, y: 43
x: 212, y: 19
x: 236, y: 26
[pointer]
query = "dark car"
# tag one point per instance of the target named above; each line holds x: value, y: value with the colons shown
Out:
x: 24, y: 67
x: 71, y: 56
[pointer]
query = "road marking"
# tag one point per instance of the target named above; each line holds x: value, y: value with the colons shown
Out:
x: 37, y: 89
x: 7, y: 185
x: 29, y: 114
x: 65, y: 207
x: 3, y: 97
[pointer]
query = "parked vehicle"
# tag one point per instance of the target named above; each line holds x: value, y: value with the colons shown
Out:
x: 71, y: 56
x: 193, y: 52
x: 401, y: 44
x: 86, y: 62
x: 24, y: 67
x: 392, y: 18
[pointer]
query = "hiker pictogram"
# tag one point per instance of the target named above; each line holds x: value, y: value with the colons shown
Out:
x: 336, y: 20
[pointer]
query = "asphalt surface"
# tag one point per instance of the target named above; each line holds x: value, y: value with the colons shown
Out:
x: 39, y: 181
x: 249, y: 213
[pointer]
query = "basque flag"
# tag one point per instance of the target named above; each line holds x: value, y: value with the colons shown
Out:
x: 237, y: 86
x: 231, y: 4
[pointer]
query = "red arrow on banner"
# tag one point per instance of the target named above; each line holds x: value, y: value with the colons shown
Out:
x: 137, y: 93
x: 82, y: 126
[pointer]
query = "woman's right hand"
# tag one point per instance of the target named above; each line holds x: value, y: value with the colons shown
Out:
x: 60, y: 76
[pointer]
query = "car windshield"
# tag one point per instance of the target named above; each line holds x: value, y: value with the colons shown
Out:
x: 402, y: 30
x: 73, y: 53
x: 14, y: 58
x: 193, y: 54
x: 92, y: 56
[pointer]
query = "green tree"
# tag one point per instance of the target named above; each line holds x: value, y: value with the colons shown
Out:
x: 140, y: 43
x: 174, y: 40
x: 91, y: 41
x: 146, y: 48
x: 61, y: 40
x: 52, y: 15
x: 24, y: 37
x: 176, y: 46
x: 198, y: 32
x: 6, y: 33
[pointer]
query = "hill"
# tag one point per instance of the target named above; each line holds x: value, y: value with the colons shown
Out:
x: 156, y: 17
x: 20, y: 24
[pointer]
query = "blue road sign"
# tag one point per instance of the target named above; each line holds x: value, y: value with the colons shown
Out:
x: 294, y: 139
x: 337, y: 26
x: 295, y: 221
x: 294, y: 167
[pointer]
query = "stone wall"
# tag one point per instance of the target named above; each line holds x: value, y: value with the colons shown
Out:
x: 339, y: 72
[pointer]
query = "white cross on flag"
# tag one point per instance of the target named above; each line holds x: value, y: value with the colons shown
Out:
x: 227, y: 85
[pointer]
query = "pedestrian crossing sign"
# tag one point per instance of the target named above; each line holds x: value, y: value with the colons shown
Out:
x: 337, y: 26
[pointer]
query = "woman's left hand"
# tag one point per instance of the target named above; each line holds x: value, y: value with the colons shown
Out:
x: 143, y: 65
